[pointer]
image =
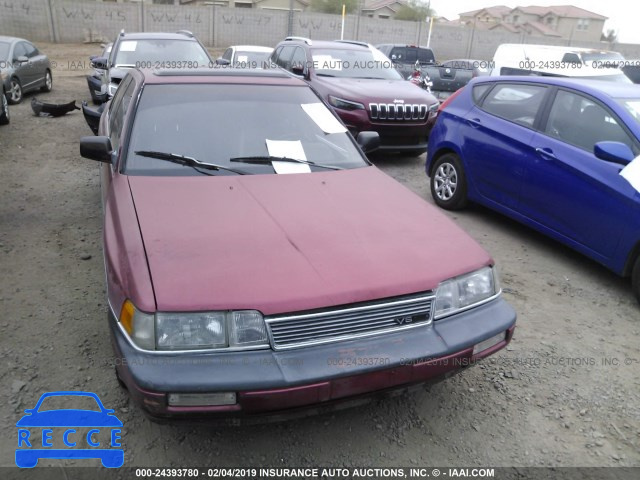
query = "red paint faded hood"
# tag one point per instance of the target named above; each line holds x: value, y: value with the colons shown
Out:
x: 284, y: 243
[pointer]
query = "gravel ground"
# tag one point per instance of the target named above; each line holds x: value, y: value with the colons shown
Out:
x: 564, y: 393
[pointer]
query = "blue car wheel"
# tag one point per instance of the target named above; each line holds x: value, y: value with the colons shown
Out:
x: 448, y: 182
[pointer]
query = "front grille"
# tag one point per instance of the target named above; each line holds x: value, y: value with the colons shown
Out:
x: 352, y: 321
x: 398, y: 111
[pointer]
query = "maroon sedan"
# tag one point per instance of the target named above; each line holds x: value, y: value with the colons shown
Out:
x: 258, y: 265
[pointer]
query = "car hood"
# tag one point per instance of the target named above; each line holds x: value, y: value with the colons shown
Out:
x: 374, y: 91
x: 284, y: 243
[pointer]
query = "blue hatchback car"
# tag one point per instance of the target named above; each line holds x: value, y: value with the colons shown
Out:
x: 547, y: 152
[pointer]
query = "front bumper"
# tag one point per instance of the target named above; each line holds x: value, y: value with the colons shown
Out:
x: 283, y: 384
x: 395, y: 136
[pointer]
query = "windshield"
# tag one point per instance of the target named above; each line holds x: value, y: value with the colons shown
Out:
x: 632, y: 105
x: 251, y: 59
x: 158, y: 53
x: 351, y: 63
x: 602, y: 58
x: 67, y: 402
x: 217, y: 122
x: 4, y: 52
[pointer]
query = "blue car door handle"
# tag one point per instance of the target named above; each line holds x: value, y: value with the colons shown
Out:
x: 546, y: 153
x: 474, y: 122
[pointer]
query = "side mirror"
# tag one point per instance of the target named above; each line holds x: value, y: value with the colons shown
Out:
x: 22, y: 59
x: 96, y: 148
x: 299, y: 70
x: 100, y: 62
x: 222, y: 61
x: 368, y: 141
x: 615, y: 152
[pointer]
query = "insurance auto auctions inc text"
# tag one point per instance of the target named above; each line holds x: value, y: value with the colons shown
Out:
x: 369, y: 473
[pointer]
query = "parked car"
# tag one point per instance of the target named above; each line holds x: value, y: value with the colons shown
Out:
x: 94, y: 80
x: 23, y: 68
x: 631, y: 68
x: 271, y: 268
x: 364, y: 89
x: 180, y: 50
x: 4, y: 104
x: 547, y: 152
x: 245, y: 56
x: 445, y: 78
x: 557, y: 61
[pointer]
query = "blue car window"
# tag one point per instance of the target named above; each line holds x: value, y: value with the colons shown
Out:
x: 582, y: 122
x: 515, y: 102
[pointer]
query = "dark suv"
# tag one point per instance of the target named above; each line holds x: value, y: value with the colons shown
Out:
x: 364, y: 89
x: 178, y: 50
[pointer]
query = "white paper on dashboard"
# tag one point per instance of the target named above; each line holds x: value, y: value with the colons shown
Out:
x: 289, y: 149
x: 128, y: 46
x: 323, y: 118
x: 632, y: 173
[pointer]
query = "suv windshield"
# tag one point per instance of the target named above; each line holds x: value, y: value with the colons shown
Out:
x: 215, y: 123
x: 352, y: 63
x: 153, y: 52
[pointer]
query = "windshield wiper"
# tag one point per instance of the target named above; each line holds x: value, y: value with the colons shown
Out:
x: 184, y: 160
x: 324, y: 75
x: 269, y: 159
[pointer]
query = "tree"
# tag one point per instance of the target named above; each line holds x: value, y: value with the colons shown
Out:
x: 611, y: 36
x: 333, y: 6
x: 414, y: 10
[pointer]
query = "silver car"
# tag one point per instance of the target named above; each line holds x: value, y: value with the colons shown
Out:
x: 23, y: 68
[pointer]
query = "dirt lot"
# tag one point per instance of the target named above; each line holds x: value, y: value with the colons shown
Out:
x: 565, y: 393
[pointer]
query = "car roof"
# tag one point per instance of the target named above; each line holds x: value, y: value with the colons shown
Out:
x: 252, y: 48
x: 593, y: 87
x: 4, y: 38
x: 156, y: 35
x: 343, y: 45
x: 221, y: 76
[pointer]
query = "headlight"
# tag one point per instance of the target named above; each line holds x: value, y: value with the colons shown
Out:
x: 345, y: 104
x: 465, y: 291
x: 194, y: 331
x: 434, y: 108
x: 112, y: 89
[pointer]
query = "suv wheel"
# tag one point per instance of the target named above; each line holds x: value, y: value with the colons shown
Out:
x: 448, y: 183
x: 4, y: 110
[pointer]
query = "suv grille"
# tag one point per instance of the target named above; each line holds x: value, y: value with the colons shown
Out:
x: 344, y: 323
x: 397, y: 111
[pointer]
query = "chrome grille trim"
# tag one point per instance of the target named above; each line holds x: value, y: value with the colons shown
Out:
x: 346, y: 323
x: 398, y: 111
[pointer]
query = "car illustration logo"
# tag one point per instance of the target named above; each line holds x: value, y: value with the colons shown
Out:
x: 69, y: 433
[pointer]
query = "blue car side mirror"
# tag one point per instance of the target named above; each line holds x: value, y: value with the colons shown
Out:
x: 615, y: 152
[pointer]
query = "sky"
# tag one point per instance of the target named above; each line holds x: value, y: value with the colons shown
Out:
x: 623, y: 14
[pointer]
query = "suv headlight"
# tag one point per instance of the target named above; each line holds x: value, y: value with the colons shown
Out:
x: 466, y: 291
x: 194, y: 331
x: 345, y: 104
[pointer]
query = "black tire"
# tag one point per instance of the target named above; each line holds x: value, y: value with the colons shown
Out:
x: 4, y: 110
x: 449, y: 183
x: 635, y: 279
x: 14, y: 95
x: 48, y: 82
